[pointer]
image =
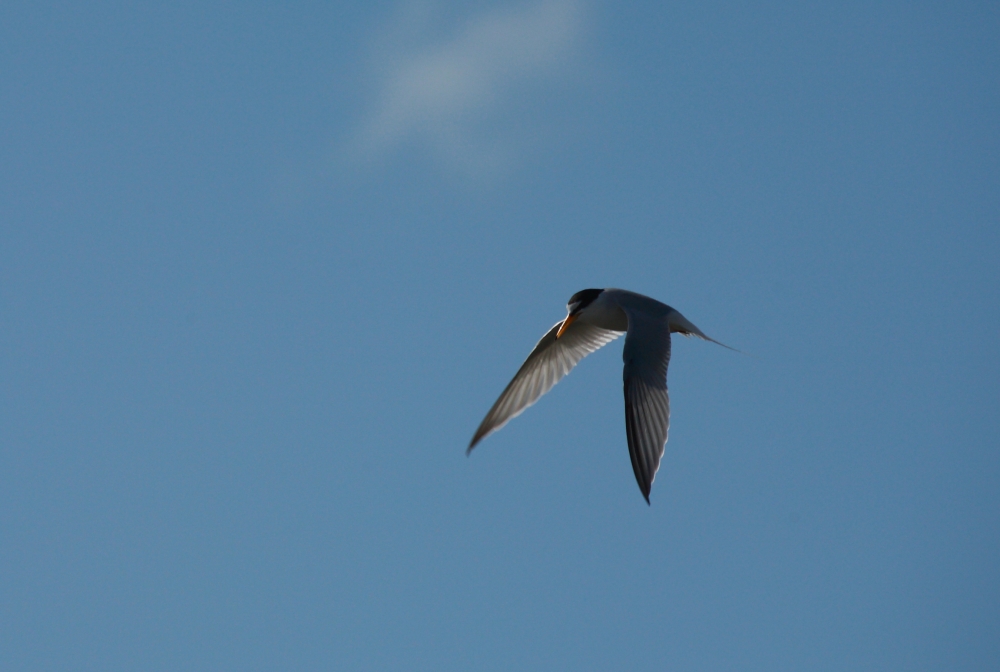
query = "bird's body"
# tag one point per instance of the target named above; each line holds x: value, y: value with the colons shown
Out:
x: 594, y: 318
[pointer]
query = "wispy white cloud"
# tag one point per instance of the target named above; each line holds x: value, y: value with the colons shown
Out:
x: 448, y: 95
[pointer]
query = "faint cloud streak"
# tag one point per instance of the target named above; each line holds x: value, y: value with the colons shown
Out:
x: 449, y: 94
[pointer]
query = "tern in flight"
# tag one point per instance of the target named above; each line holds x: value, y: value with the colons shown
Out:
x: 595, y: 317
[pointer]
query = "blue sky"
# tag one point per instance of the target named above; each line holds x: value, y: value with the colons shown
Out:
x: 263, y: 269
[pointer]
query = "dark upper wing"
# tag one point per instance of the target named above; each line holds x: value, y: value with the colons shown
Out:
x: 647, y: 404
x: 551, y: 359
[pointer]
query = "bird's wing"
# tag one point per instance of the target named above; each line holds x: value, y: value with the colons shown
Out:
x: 647, y: 404
x: 551, y: 359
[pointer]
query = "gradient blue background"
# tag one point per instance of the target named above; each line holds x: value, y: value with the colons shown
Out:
x: 264, y: 268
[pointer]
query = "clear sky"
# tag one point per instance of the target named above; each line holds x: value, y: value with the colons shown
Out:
x: 265, y: 266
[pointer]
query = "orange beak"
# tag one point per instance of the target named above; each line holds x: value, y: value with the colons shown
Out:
x: 570, y: 319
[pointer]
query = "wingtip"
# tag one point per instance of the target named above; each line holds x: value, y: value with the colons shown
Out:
x: 477, y: 437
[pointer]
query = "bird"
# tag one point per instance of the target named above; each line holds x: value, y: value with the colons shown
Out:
x: 594, y: 318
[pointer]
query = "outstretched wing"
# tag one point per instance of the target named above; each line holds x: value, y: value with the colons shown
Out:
x: 647, y: 404
x: 551, y: 359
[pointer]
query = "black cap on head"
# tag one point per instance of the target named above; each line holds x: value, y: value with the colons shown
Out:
x: 582, y: 299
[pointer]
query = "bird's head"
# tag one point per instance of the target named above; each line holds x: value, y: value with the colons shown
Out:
x: 576, y: 305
